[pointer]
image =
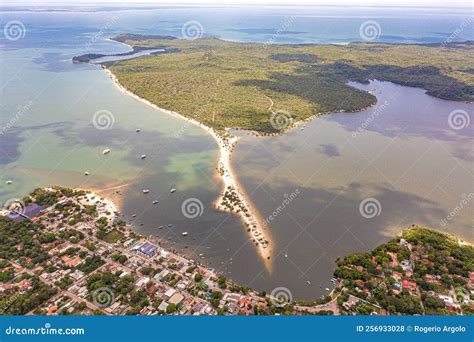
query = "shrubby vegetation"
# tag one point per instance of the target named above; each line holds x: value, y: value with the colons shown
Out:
x: 19, y: 241
x: 229, y: 85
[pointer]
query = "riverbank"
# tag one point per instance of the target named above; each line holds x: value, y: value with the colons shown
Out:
x: 232, y: 198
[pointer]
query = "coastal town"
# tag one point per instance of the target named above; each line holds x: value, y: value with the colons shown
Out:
x: 422, y: 272
x: 67, y: 252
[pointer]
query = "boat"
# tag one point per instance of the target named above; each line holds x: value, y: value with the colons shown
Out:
x: 143, y: 156
x: 155, y: 202
x: 184, y: 233
x: 106, y: 151
x: 145, y: 191
x: 173, y: 191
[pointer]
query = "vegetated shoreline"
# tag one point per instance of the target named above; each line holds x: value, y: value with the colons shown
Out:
x: 240, y: 201
x: 233, y: 191
x: 243, y: 207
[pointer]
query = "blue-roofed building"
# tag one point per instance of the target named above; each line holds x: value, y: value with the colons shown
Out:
x: 148, y: 249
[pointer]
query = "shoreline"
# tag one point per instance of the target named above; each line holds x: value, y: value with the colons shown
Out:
x: 243, y: 207
x: 240, y: 202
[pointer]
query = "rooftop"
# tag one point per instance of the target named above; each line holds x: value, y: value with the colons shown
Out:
x: 147, y: 248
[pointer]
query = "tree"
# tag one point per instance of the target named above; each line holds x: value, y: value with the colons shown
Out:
x: 222, y: 282
x: 170, y: 308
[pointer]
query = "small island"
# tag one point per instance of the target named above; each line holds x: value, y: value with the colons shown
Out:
x: 67, y: 252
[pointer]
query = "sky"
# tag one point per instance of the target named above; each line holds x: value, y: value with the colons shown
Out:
x: 437, y: 3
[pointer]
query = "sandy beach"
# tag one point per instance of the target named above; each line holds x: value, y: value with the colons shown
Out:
x: 242, y: 206
x: 105, y: 206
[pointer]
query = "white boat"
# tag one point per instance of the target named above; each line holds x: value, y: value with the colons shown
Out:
x: 145, y: 191
x: 155, y: 202
x: 173, y: 191
x: 143, y: 156
x: 106, y: 151
x: 184, y: 233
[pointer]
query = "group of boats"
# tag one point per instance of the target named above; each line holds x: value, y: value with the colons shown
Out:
x: 171, y: 226
x: 146, y: 191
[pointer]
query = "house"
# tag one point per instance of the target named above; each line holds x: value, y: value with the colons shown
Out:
x: 24, y: 285
x: 52, y: 310
x: 176, y: 298
x: 71, y: 261
x: 170, y: 293
x: 161, y: 275
x: 142, y: 282
x: 408, y: 284
x: 163, y: 306
x: 406, y: 265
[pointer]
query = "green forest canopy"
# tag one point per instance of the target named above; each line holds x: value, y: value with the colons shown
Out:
x: 231, y: 85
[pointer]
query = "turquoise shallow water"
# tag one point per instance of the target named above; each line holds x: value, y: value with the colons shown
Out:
x: 48, y: 137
